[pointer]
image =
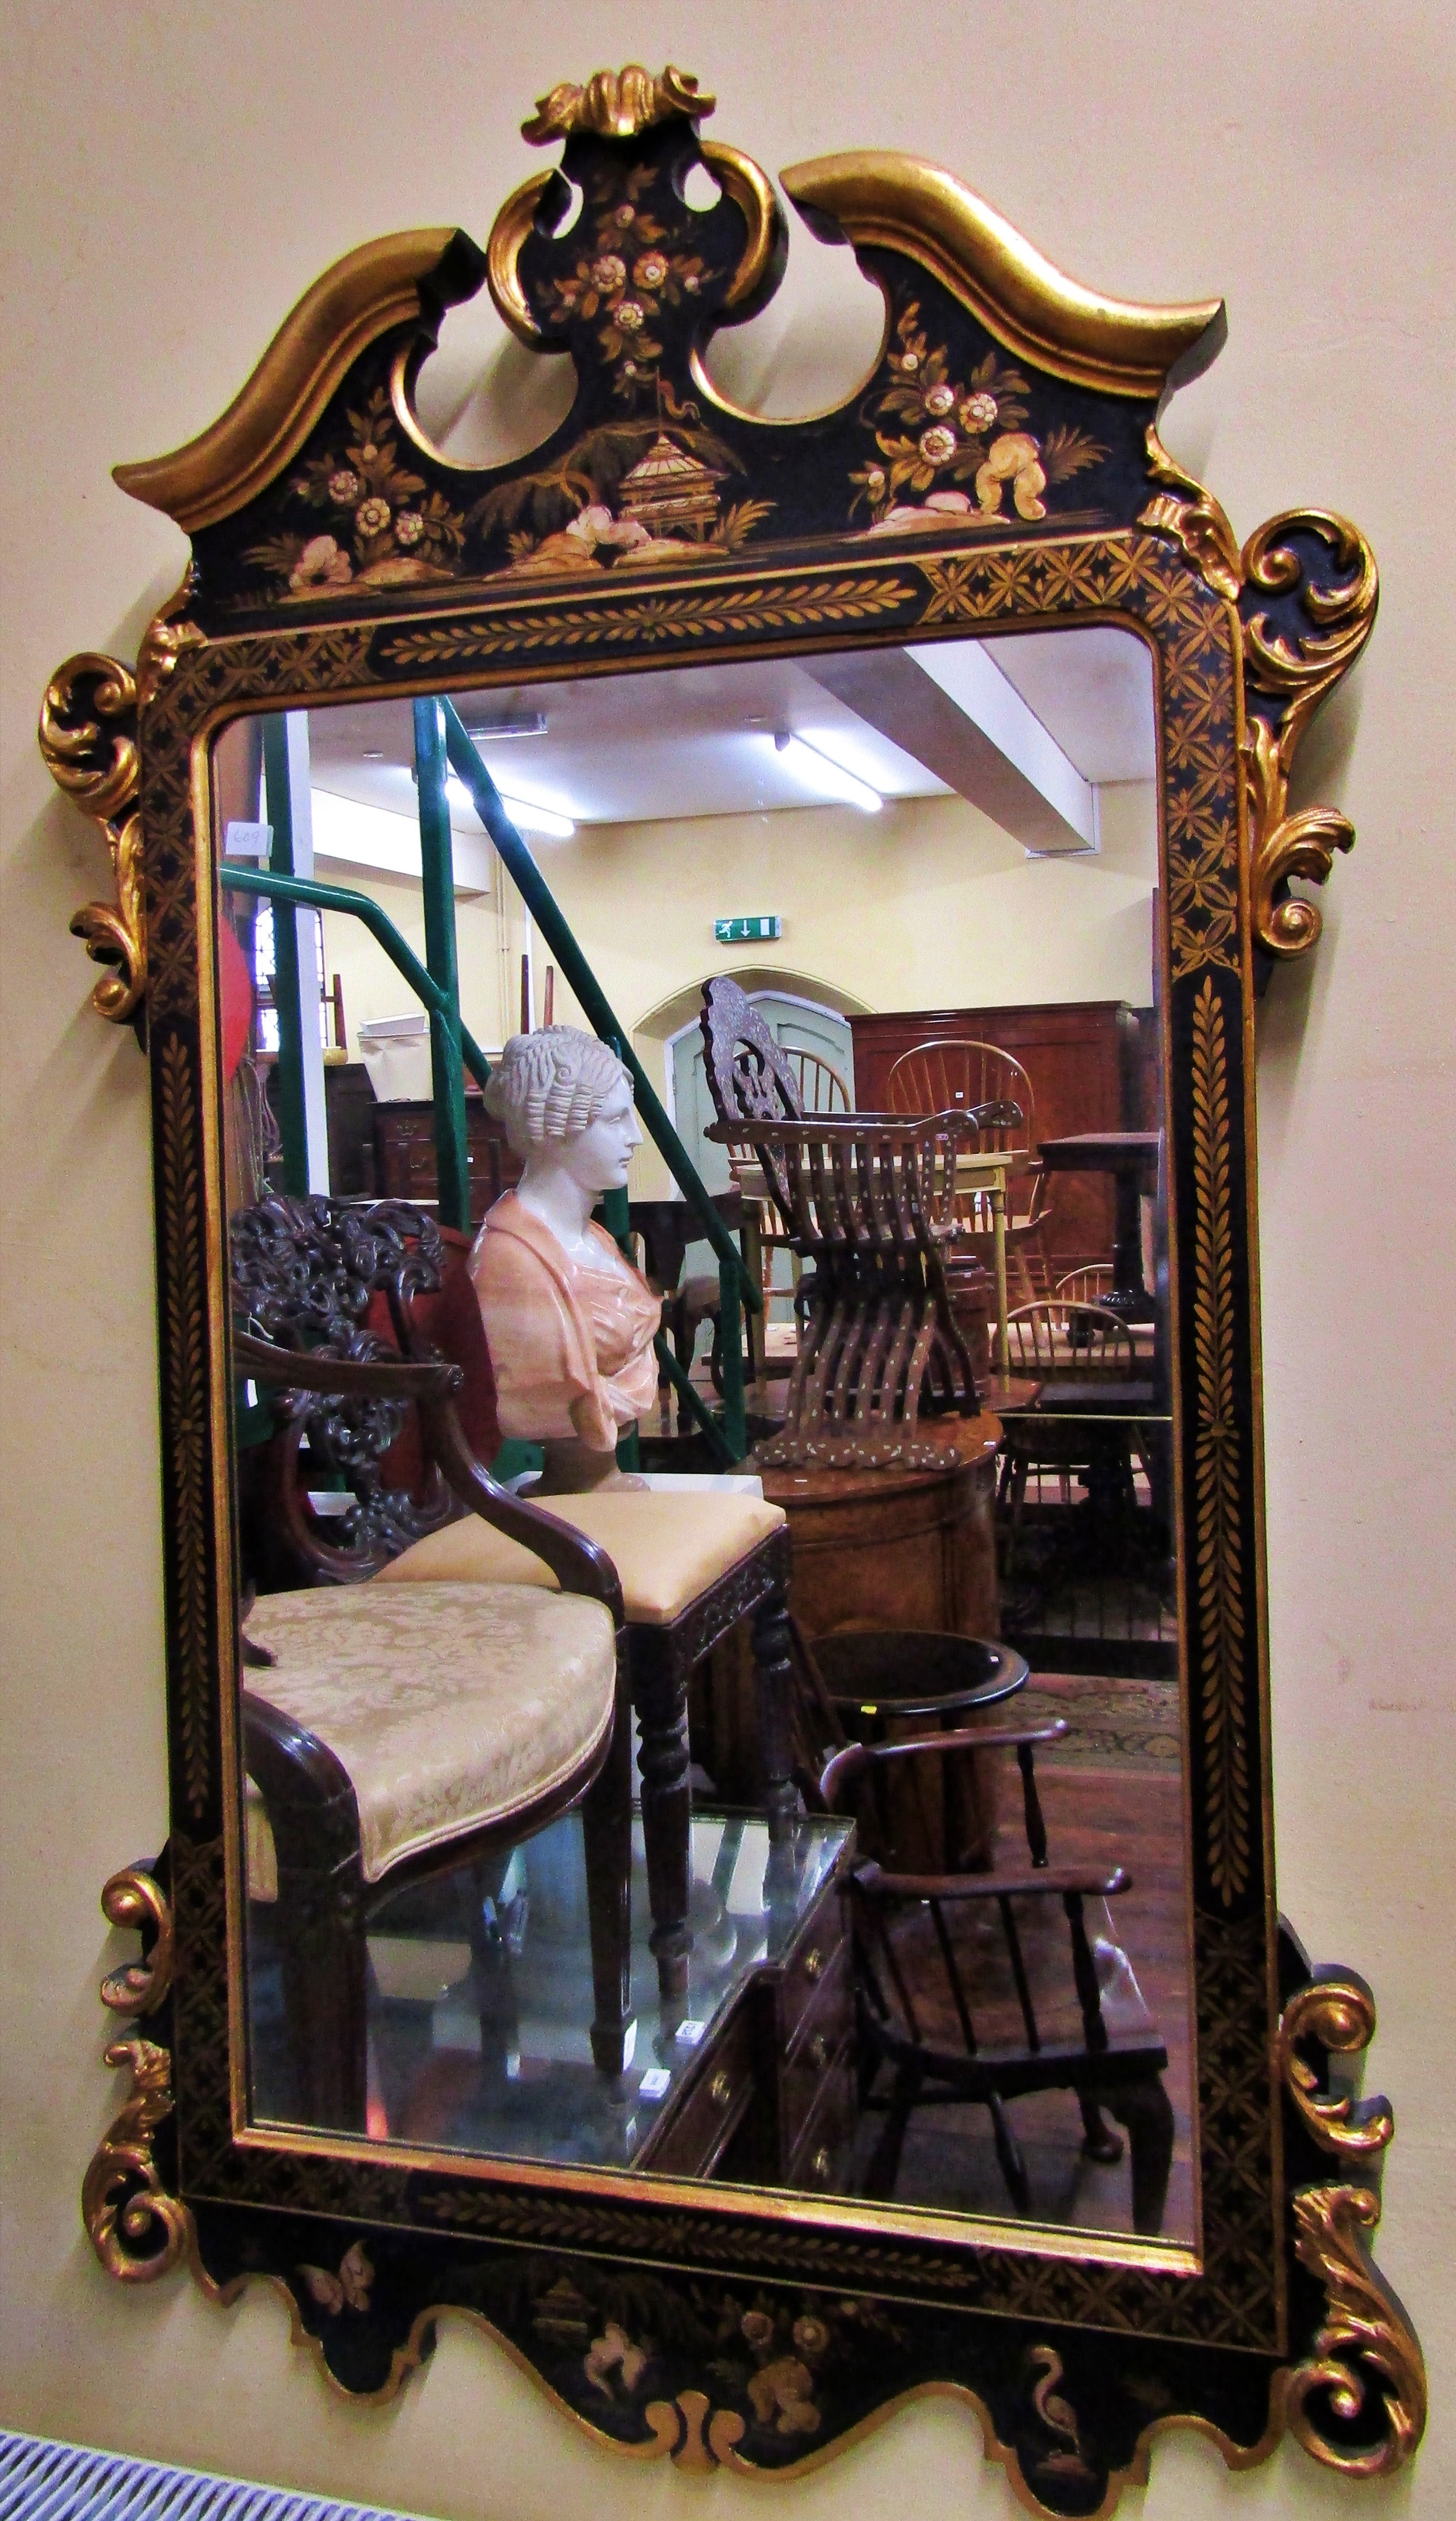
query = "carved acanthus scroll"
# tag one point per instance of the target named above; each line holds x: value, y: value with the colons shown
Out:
x: 1296, y: 678
x: 1365, y: 2340
x: 615, y: 105
x: 1294, y: 675
x: 138, y: 2231
x: 89, y: 721
x: 88, y: 737
x: 1365, y: 2332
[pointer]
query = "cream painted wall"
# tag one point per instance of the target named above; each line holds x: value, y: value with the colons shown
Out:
x: 923, y: 905
x: 926, y: 905
x: 373, y: 988
x: 176, y: 178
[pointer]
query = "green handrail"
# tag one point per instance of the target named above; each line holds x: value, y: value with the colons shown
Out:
x: 288, y: 979
x: 437, y: 884
x: 544, y: 909
x: 340, y: 896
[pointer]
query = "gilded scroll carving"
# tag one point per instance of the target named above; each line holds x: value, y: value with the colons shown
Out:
x: 89, y: 721
x: 1338, y: 2011
x: 1365, y: 2342
x: 88, y: 737
x: 1192, y: 517
x: 138, y: 2231
x: 132, y: 1899
x: 615, y: 105
x: 137, y: 2228
x: 1297, y: 676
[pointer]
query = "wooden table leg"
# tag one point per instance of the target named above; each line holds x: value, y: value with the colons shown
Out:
x: 998, y: 1225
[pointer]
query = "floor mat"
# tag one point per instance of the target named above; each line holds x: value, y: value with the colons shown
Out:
x: 1114, y: 1724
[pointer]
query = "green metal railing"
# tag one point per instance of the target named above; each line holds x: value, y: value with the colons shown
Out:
x: 358, y: 905
x: 438, y: 879
x: 442, y: 742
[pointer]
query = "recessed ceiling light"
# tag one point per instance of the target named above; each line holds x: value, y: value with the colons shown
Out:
x: 374, y: 757
x: 817, y: 767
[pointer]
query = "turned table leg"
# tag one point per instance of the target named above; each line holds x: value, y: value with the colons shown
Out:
x: 659, y: 1695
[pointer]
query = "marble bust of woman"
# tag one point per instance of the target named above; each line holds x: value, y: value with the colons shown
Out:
x: 570, y: 1322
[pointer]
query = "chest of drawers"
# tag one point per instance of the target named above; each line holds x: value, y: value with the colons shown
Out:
x: 771, y: 2097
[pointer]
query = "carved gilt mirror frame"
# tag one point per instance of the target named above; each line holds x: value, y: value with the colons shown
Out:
x: 828, y: 538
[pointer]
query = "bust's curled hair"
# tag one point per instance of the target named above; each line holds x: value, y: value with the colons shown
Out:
x: 552, y: 1085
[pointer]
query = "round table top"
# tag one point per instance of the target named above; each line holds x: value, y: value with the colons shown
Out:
x: 902, y: 1672
x: 970, y: 1441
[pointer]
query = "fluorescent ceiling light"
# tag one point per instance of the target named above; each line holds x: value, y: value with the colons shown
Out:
x: 495, y: 730
x: 820, y: 770
x: 527, y: 816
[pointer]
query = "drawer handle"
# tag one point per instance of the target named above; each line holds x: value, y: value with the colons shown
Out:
x: 817, y: 2054
x: 721, y: 2091
x: 819, y: 2168
x: 814, y: 1966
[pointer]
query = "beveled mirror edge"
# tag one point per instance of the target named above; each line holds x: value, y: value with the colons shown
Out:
x: 1360, y: 2348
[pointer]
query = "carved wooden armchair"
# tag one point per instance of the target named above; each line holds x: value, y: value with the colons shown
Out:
x: 869, y: 1202
x: 689, y: 1566
x: 392, y: 1736
x: 969, y: 1986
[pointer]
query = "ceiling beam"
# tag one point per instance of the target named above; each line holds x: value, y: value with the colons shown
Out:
x: 951, y: 708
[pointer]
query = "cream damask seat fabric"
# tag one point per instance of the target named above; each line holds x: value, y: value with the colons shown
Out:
x: 451, y: 1706
x: 667, y: 1548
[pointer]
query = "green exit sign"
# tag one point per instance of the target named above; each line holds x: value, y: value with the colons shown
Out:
x: 749, y: 932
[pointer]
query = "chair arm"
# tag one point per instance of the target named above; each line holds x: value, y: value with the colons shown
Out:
x: 847, y: 1765
x: 1054, y: 1882
x: 1039, y: 1207
x: 580, y: 1565
x: 314, y: 1370
x: 307, y: 1792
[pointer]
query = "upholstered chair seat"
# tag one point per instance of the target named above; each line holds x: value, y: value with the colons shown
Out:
x: 451, y: 1708
x: 667, y: 1548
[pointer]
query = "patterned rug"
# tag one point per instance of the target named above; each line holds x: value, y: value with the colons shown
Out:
x: 1114, y: 1724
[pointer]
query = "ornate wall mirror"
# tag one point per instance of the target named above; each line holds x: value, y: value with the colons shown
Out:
x: 719, y: 1755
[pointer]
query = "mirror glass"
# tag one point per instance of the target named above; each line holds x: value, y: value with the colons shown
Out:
x: 933, y: 873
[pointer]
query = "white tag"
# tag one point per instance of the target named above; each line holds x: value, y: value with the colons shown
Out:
x: 690, y: 2032
x: 654, y: 2083
x: 247, y: 840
